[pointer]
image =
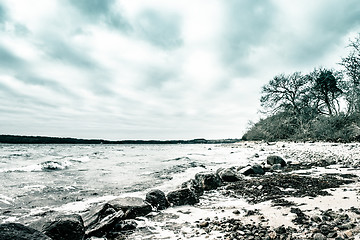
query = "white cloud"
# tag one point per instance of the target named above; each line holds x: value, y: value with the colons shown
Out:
x: 156, y: 68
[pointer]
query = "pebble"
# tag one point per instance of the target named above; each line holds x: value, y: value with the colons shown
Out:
x: 204, y: 224
x: 319, y: 236
x: 236, y: 212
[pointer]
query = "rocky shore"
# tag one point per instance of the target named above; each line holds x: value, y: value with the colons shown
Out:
x: 288, y: 191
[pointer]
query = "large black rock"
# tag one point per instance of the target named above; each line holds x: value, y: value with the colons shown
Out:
x: 17, y: 231
x: 132, y: 206
x: 272, y: 160
x: 157, y: 199
x: 208, y: 180
x: 253, y: 170
x: 228, y: 175
x: 105, y: 225
x: 182, y: 196
x: 101, y: 220
x: 64, y: 227
x: 194, y: 186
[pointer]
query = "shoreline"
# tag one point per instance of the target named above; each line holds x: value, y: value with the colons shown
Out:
x: 238, y: 209
x: 186, y: 222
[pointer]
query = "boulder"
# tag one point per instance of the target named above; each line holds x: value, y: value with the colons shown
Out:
x: 105, y: 225
x: 182, y: 196
x: 208, y: 180
x: 64, y: 227
x: 132, y: 206
x: 228, y: 175
x: 157, y: 199
x: 272, y: 160
x: 96, y: 214
x: 194, y: 186
x: 17, y: 231
x: 253, y: 170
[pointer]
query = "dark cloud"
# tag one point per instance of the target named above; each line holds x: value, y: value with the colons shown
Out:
x: 93, y: 8
x: 18, y: 29
x: 31, y: 79
x: 21, y: 30
x: 62, y: 51
x: 325, y: 31
x: 22, y: 101
x: 339, y: 17
x: 103, y: 11
x: 2, y: 14
x: 247, y: 25
x: 117, y: 21
x: 161, y: 30
x: 156, y: 77
x: 9, y: 60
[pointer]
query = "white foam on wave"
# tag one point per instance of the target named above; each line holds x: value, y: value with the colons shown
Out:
x: 44, y: 166
x: 6, y: 200
x: 84, y: 205
x: 35, y: 187
x: 29, y: 168
x: 54, y: 165
x: 82, y: 159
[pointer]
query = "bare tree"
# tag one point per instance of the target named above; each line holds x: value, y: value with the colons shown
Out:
x: 352, y: 69
x: 285, y: 92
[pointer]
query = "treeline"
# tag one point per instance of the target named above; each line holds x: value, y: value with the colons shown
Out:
x: 14, y: 139
x: 321, y: 105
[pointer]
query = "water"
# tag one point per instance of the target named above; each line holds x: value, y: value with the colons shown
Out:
x: 36, y: 179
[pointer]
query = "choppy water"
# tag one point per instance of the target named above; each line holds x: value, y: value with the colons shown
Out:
x: 39, y: 178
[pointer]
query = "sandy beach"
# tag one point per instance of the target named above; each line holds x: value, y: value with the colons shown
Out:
x: 304, y: 211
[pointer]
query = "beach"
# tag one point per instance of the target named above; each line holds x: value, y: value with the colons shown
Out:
x: 244, y: 190
x: 329, y: 213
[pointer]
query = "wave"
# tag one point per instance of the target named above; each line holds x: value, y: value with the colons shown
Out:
x: 44, y: 166
x: 80, y: 159
x: 54, y: 165
x: 177, y: 159
x: 6, y: 200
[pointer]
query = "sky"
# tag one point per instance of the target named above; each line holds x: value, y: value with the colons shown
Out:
x: 157, y: 69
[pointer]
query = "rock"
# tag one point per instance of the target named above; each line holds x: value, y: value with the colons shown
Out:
x: 125, y: 225
x: 325, y: 229
x: 17, y: 231
x: 319, y: 236
x: 64, y: 227
x: 96, y: 214
x: 253, y: 170
x: 348, y: 233
x: 275, y: 160
x: 276, y: 167
x: 194, y: 186
x: 272, y: 235
x: 105, y: 225
x: 132, y: 206
x: 204, y: 224
x: 157, y: 199
x: 332, y: 235
x: 316, y: 219
x: 208, y: 180
x: 237, y: 212
x: 280, y: 230
x: 228, y: 175
x: 182, y: 196
x: 101, y: 220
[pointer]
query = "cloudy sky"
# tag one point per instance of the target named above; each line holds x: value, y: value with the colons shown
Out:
x: 157, y: 69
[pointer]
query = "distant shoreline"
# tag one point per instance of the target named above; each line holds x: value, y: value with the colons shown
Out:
x: 17, y: 139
